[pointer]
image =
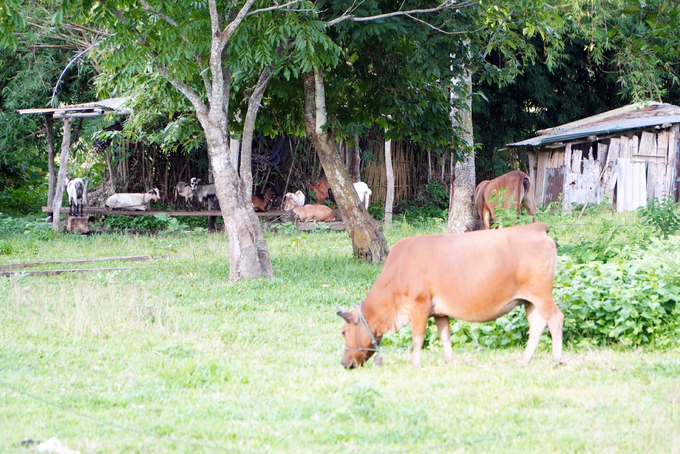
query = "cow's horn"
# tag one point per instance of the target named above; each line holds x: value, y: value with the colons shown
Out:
x: 339, y: 308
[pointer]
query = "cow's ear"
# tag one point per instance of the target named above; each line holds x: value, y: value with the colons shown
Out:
x: 350, y: 317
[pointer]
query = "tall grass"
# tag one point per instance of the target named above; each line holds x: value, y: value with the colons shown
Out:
x: 176, y: 350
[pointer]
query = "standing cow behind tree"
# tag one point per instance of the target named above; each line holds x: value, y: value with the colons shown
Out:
x: 519, y: 192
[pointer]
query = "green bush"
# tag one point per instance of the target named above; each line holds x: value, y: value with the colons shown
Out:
x: 30, y: 226
x: 626, y: 294
x: 24, y: 200
x: 507, y: 217
x: 433, y: 204
x: 629, y: 302
x: 660, y: 215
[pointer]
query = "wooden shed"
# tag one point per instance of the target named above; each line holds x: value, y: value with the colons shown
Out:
x: 625, y: 157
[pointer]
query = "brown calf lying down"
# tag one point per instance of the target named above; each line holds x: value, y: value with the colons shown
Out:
x: 320, y: 189
x: 308, y: 212
x: 476, y: 277
x: 517, y: 184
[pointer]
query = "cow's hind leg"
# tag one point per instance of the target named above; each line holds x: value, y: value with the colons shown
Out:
x: 445, y: 335
x: 419, y: 315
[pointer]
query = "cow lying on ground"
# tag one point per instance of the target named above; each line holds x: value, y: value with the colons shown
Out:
x: 517, y: 184
x: 309, y: 212
x: 475, y: 277
x: 298, y: 197
x: 135, y: 201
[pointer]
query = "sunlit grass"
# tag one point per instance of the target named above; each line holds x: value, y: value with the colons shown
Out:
x: 177, y: 350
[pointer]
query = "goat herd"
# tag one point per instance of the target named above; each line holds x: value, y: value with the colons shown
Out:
x: 185, y: 193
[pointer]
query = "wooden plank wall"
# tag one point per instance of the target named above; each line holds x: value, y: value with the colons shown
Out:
x: 649, y: 167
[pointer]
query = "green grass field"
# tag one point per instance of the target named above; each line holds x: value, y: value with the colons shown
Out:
x: 173, y: 357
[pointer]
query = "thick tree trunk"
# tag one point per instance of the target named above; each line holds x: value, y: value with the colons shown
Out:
x: 389, y: 172
x: 368, y: 241
x: 248, y: 252
x: 61, y: 179
x: 463, y: 172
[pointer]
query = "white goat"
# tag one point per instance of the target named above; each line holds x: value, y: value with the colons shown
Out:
x: 184, y: 190
x: 203, y: 191
x: 298, y: 197
x: 363, y: 191
x: 77, y: 195
x: 137, y: 201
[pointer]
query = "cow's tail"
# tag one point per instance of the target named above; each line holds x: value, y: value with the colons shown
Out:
x: 526, y: 184
x: 476, y: 224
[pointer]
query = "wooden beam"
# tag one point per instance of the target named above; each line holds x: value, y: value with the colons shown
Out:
x: 108, y: 211
x: 56, y: 272
x: 19, y: 266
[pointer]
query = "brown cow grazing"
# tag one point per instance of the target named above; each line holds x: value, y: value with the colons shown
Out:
x: 476, y: 277
x: 308, y: 212
x: 517, y: 184
x: 320, y: 189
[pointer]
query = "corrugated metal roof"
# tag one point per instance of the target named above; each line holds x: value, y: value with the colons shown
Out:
x: 96, y: 108
x: 634, y: 116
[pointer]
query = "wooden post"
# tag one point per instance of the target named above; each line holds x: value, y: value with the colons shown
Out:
x: 63, y: 167
x: 49, y: 133
x: 390, y: 183
x: 355, y: 160
x: 212, y: 220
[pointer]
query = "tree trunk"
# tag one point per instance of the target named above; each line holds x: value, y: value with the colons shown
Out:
x: 389, y: 198
x: 368, y: 241
x: 63, y: 168
x: 248, y: 253
x: 249, y: 129
x: 463, y: 172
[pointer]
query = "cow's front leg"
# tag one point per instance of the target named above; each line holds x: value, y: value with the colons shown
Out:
x: 445, y: 336
x: 419, y: 316
x: 537, y: 325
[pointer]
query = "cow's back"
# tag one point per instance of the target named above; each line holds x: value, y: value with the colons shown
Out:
x: 472, y: 276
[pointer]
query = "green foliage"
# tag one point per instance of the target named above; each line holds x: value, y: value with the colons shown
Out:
x: 29, y: 226
x: 432, y: 205
x: 24, y: 199
x: 630, y: 303
x: 507, y: 217
x: 660, y: 215
x: 605, y: 245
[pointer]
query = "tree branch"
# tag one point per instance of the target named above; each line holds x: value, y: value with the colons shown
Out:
x: 439, y: 29
x: 234, y: 24
x: 192, y: 96
x: 199, y: 58
x: 277, y: 6
x: 446, y: 4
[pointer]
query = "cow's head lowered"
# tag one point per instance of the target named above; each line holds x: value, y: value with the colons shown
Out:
x: 360, y: 343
